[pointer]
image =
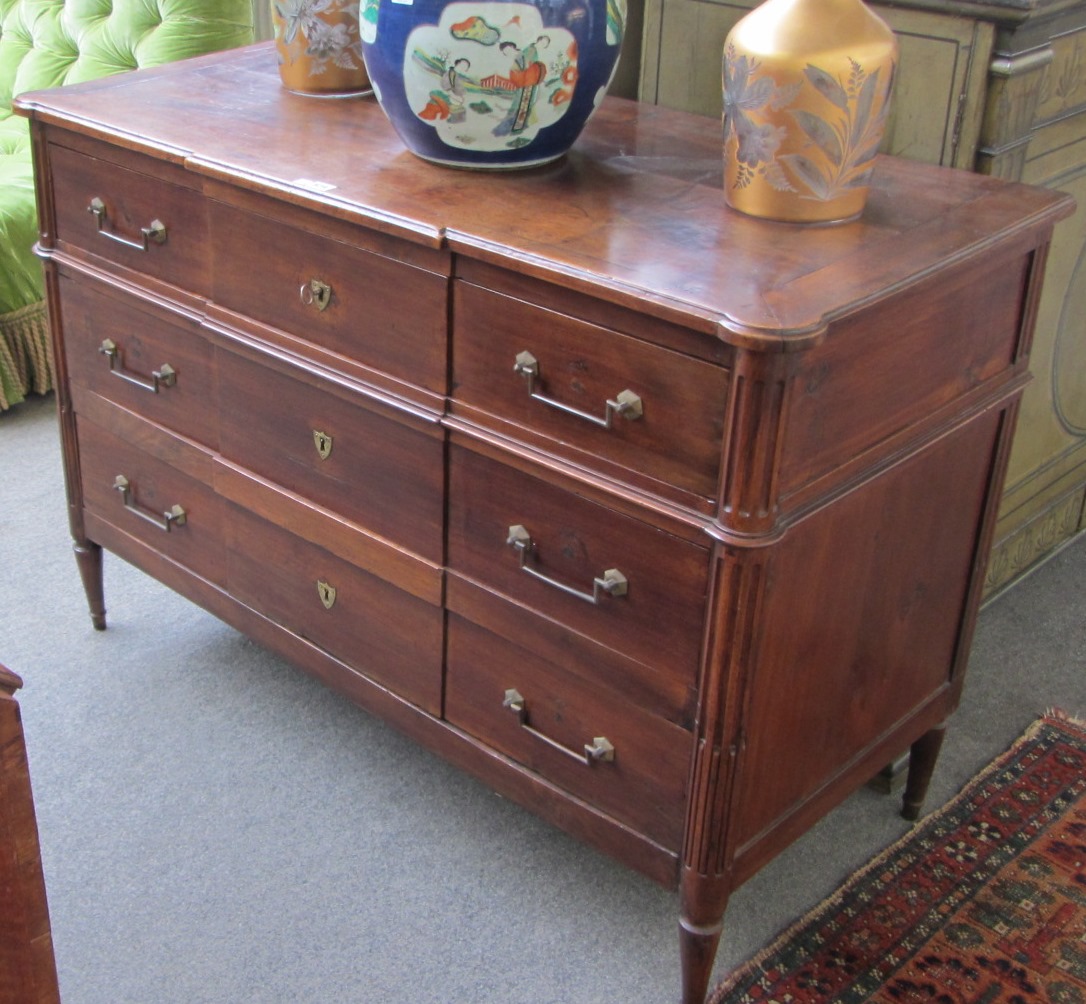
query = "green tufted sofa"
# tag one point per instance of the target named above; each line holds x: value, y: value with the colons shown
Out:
x: 46, y: 43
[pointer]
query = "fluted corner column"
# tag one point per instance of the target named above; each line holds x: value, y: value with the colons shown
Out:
x: 757, y: 410
x: 708, y: 848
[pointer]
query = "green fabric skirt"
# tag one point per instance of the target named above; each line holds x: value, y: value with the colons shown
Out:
x: 25, y: 356
x: 24, y: 334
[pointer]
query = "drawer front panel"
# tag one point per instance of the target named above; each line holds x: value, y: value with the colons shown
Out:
x: 655, y: 617
x: 641, y: 781
x: 382, y: 313
x: 147, y: 360
x: 383, y: 632
x: 672, y: 433
x: 163, y: 476
x: 134, y: 219
x: 371, y: 469
x: 665, y: 695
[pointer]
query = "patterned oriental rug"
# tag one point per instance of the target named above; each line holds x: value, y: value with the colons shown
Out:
x: 983, y: 902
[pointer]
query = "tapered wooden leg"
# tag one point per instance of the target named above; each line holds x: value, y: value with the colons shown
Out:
x: 88, y: 557
x: 702, y: 902
x: 922, y: 757
x: 697, y: 951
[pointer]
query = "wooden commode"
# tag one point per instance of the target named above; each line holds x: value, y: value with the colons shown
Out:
x: 668, y: 523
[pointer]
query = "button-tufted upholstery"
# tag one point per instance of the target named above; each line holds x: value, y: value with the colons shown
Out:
x: 47, y: 43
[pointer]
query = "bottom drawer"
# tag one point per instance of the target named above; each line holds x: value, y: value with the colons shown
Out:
x: 635, y: 767
x: 386, y: 634
x: 154, y: 487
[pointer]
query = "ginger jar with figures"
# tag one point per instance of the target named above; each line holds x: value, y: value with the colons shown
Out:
x: 319, y: 47
x: 807, y: 87
x: 491, y: 83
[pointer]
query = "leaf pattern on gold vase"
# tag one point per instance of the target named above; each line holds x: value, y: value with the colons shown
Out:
x: 839, y: 145
x: 756, y: 142
x: 325, y: 42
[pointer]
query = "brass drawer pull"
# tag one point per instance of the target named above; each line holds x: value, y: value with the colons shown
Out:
x: 627, y: 403
x: 597, y: 751
x: 612, y: 582
x: 155, y: 233
x: 164, y: 376
x: 316, y: 294
x: 167, y: 521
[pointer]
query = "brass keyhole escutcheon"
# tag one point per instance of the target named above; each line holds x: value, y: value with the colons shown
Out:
x: 323, y: 442
x: 316, y: 294
x: 327, y: 593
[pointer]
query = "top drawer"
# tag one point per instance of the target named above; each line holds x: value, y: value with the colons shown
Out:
x: 142, y: 221
x: 591, y: 392
x: 386, y: 314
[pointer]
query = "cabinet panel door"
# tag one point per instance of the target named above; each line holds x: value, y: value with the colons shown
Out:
x: 938, y: 97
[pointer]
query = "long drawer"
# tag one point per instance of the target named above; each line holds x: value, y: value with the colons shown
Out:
x: 591, y: 392
x: 383, y: 632
x: 336, y: 448
x: 622, y: 582
x: 588, y: 739
x: 140, y: 356
x: 152, y: 486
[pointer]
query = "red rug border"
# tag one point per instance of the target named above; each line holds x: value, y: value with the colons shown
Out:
x: 1054, y: 717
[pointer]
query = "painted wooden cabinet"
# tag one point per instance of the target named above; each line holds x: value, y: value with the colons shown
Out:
x: 999, y: 88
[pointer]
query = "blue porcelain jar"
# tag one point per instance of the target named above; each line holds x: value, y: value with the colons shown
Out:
x: 491, y: 83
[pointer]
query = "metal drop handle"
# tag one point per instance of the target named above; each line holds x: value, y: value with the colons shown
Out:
x: 164, y: 376
x: 175, y: 516
x: 612, y: 582
x: 626, y: 402
x: 153, y: 234
x: 600, y: 750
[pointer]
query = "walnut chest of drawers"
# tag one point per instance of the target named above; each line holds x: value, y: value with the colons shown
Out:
x: 668, y: 523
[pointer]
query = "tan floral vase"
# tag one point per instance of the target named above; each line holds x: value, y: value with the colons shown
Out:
x: 319, y: 47
x: 807, y: 87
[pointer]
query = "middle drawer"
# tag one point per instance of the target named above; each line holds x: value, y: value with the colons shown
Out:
x: 337, y: 449
x: 151, y: 361
x: 622, y: 582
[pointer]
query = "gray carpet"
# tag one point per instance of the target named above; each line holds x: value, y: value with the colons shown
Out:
x: 217, y: 827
